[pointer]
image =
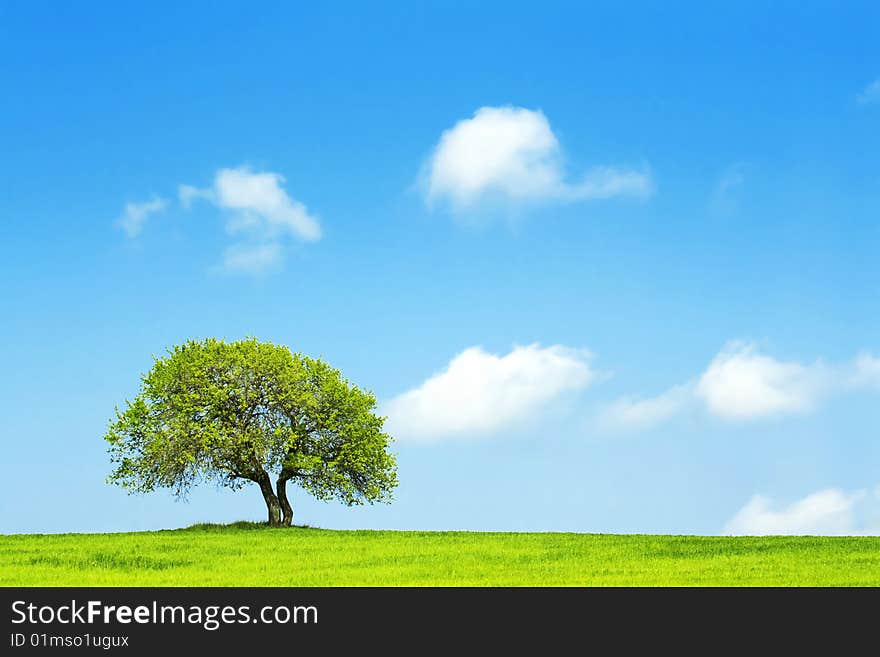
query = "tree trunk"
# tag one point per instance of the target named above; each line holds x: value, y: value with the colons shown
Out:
x: 286, y: 509
x: 272, y: 505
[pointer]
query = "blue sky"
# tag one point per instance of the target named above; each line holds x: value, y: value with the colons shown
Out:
x: 608, y: 268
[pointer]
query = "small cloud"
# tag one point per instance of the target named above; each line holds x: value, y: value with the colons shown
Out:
x: 511, y: 154
x: 870, y: 94
x: 257, y: 202
x: 741, y: 383
x: 725, y: 192
x: 135, y: 215
x: 867, y: 371
x: 187, y: 194
x: 479, y: 392
x: 632, y: 414
x: 252, y: 259
x: 827, y: 512
x: 258, y: 208
x: 603, y: 182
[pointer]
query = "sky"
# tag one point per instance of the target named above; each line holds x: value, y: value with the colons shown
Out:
x: 607, y: 268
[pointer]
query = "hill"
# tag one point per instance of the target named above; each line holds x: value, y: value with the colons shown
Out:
x: 245, y: 554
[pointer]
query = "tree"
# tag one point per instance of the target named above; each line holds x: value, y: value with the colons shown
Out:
x: 250, y: 411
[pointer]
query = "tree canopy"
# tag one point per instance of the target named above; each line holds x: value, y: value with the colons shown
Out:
x: 251, y: 411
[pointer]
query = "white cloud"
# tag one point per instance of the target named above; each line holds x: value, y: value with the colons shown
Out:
x: 741, y: 383
x: 871, y: 93
x: 258, y: 203
x: 511, y: 154
x: 480, y: 392
x: 252, y: 259
x: 135, y: 215
x: 260, y: 210
x: 187, y: 194
x: 826, y: 512
x: 263, y: 203
x: 603, y: 182
x: 632, y: 414
x: 867, y: 371
x: 724, y: 200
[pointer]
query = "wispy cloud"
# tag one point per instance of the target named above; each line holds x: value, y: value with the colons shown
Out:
x: 510, y: 154
x: 252, y: 259
x: 866, y: 372
x: 188, y: 194
x: 743, y: 384
x: 259, y: 212
x: 724, y: 199
x: 633, y: 414
x: 257, y: 202
x: 479, y: 392
x: 826, y: 512
x: 870, y: 94
x: 134, y: 216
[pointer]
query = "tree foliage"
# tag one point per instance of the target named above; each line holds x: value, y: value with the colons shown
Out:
x: 250, y: 411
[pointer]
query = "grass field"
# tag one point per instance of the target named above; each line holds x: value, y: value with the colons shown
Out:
x: 246, y: 554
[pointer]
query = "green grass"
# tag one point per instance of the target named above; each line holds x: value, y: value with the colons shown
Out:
x: 246, y: 554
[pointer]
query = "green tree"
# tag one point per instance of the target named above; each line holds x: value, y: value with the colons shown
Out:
x: 250, y: 411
